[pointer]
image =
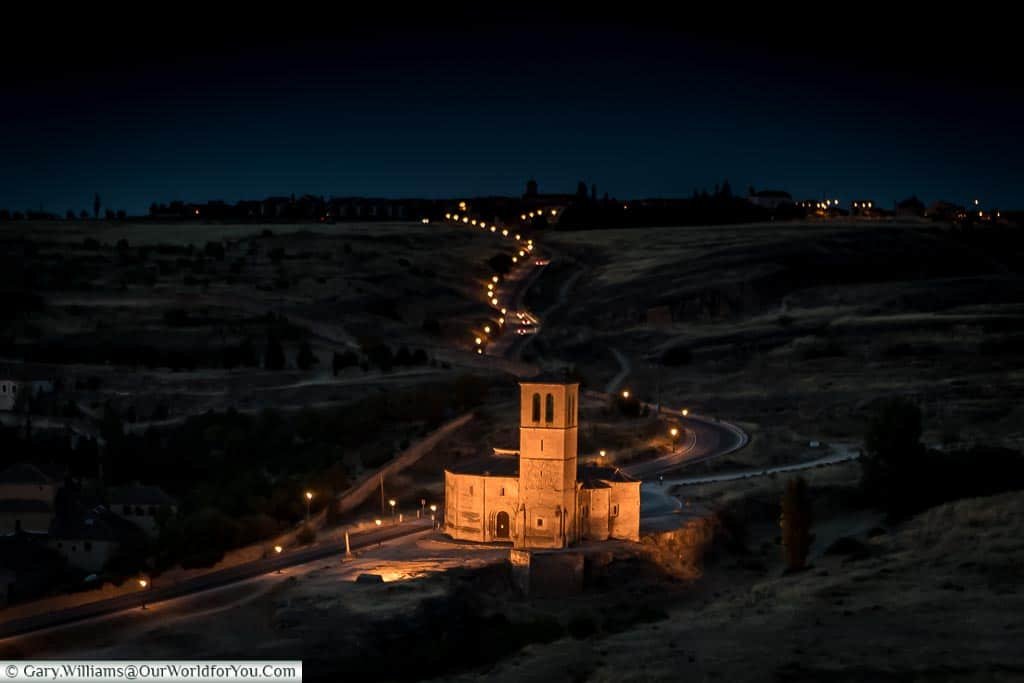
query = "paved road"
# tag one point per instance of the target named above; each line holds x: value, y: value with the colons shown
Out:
x: 841, y: 455
x: 212, y: 580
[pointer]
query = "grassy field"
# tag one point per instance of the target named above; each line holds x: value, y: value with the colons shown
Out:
x: 795, y: 329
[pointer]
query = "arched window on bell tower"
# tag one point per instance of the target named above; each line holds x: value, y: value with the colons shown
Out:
x: 549, y: 408
x: 536, y: 407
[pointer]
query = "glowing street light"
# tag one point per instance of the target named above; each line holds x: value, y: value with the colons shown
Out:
x: 433, y: 512
x: 479, y: 341
x: 602, y: 452
x: 494, y: 301
x: 674, y: 432
x: 487, y: 329
x: 685, y: 412
x: 144, y: 584
x: 625, y: 393
x: 377, y: 521
x: 309, y: 499
x: 494, y: 279
x: 392, y: 503
x: 277, y: 551
x: 504, y: 311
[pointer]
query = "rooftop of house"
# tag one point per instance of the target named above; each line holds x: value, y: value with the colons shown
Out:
x: 139, y: 494
x: 11, y: 506
x: 24, y: 473
x: 93, y: 524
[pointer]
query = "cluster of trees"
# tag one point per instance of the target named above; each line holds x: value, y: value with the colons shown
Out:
x: 904, y: 477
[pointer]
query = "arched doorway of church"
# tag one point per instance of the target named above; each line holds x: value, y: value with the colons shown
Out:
x: 501, y: 523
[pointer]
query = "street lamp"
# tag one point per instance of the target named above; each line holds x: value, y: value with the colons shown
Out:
x: 674, y: 432
x: 309, y: 499
x: 625, y: 393
x: 144, y: 584
x: 277, y: 551
x: 392, y: 503
x: 685, y: 412
x: 433, y: 512
x: 602, y: 453
x: 377, y: 522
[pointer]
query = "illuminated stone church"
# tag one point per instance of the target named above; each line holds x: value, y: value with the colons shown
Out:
x: 540, y: 496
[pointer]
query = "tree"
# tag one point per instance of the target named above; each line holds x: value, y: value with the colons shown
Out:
x: 893, y: 455
x: 273, y: 358
x: 306, y: 358
x: 796, y: 522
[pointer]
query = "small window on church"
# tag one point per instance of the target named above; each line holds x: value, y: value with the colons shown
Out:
x: 471, y: 490
x: 615, y: 510
x: 540, y: 522
x: 536, y: 407
x: 549, y: 408
x: 502, y: 492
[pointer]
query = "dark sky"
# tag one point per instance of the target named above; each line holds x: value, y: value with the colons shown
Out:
x: 198, y: 107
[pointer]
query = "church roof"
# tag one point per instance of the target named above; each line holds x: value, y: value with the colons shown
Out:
x: 596, y: 476
x: 550, y: 377
x: 489, y: 465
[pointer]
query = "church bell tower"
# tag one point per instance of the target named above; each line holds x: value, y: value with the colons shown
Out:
x: 548, y: 435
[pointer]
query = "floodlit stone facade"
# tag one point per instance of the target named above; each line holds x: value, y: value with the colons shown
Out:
x: 540, y: 496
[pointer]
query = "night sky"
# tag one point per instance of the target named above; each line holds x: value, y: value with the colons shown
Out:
x: 197, y: 108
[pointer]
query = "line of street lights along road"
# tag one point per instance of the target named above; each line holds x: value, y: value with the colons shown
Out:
x: 491, y: 295
x: 522, y: 250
